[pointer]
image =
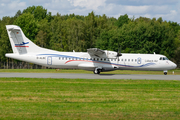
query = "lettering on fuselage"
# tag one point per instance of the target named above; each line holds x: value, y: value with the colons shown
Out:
x: 151, y: 60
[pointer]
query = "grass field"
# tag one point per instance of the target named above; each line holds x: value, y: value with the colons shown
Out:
x: 176, y: 72
x: 27, y: 98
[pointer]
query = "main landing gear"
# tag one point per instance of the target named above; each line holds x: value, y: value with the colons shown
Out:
x: 97, y: 71
x: 165, y: 73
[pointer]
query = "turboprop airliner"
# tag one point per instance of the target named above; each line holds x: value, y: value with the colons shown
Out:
x: 94, y: 59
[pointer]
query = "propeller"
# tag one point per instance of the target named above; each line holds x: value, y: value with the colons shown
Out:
x: 119, y: 51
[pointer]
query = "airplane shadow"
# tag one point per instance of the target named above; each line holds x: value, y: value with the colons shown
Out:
x: 106, y: 74
x: 112, y: 74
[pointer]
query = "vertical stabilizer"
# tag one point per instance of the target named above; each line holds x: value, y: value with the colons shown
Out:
x: 19, y: 42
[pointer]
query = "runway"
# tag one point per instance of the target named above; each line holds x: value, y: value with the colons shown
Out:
x: 90, y: 76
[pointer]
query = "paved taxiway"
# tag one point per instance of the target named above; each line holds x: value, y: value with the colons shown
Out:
x: 91, y: 76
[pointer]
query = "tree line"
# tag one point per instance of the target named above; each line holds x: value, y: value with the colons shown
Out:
x: 75, y: 32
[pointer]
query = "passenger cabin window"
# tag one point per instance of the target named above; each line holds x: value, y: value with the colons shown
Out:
x: 107, y: 59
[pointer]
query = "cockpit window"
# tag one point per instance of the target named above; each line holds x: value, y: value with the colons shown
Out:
x: 163, y: 58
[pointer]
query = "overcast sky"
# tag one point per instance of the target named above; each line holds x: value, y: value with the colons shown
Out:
x: 167, y: 9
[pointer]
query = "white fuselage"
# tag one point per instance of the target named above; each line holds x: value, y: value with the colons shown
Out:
x: 82, y: 60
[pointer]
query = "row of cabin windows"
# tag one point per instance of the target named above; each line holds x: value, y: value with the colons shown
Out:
x: 113, y: 59
x: 98, y: 59
x: 70, y: 58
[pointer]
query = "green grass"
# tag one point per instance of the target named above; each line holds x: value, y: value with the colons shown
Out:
x: 177, y: 71
x: 27, y: 98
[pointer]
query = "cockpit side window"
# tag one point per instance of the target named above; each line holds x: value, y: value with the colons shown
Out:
x: 161, y: 58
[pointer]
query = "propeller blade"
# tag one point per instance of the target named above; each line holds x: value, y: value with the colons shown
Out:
x: 119, y: 51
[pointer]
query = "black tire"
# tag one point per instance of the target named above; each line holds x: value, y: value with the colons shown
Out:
x: 165, y: 73
x: 96, y: 72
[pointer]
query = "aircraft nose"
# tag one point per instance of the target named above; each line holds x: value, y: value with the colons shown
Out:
x: 174, y: 65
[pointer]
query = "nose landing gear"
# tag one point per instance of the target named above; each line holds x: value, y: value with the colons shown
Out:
x: 165, y: 72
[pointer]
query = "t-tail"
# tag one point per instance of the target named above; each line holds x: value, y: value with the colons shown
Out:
x: 19, y: 42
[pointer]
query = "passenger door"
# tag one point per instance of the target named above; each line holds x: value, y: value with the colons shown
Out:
x: 49, y: 60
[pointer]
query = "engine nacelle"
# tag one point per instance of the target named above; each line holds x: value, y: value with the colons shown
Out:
x: 95, y: 52
x: 111, y: 54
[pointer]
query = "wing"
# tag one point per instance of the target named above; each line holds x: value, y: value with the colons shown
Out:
x: 95, y: 52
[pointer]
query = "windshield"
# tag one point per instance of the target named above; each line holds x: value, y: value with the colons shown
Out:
x: 163, y: 58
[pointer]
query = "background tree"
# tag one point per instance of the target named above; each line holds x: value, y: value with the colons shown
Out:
x: 123, y: 19
x: 38, y: 11
x: 44, y: 34
x: 28, y: 25
x: 56, y: 28
x: 4, y: 40
x: 90, y: 26
x: 18, y: 14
